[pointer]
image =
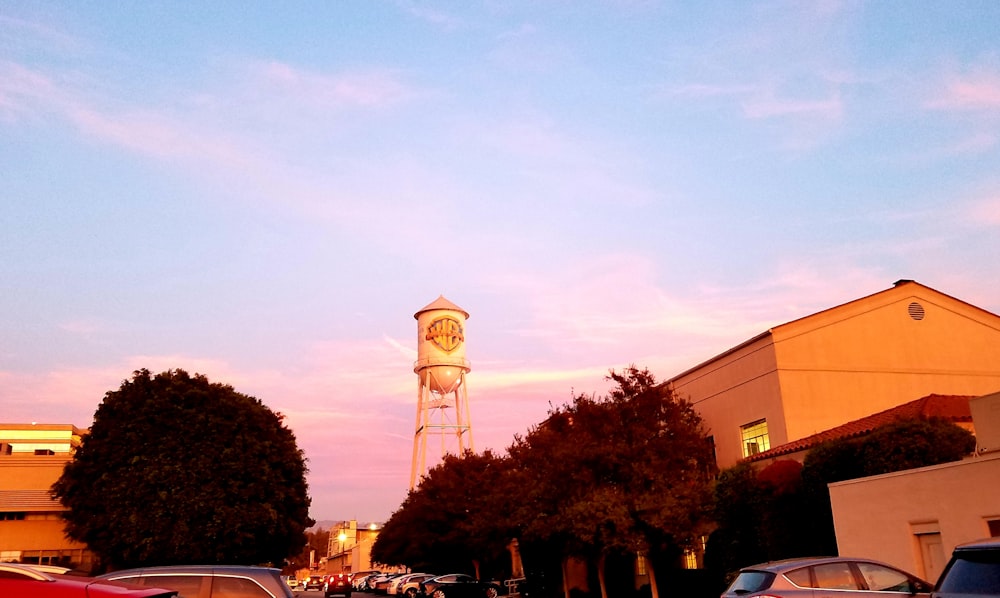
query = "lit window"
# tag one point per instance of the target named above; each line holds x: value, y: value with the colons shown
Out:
x: 640, y: 564
x: 755, y: 439
x: 690, y: 559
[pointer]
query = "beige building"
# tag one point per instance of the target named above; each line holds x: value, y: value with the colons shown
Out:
x: 32, y: 457
x: 841, y: 364
x: 350, y: 548
x: 914, y: 518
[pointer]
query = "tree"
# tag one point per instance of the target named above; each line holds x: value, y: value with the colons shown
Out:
x: 624, y: 474
x: 177, y: 469
x: 455, y: 519
x: 317, y: 543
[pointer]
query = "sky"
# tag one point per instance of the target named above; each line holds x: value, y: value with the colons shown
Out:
x: 266, y: 193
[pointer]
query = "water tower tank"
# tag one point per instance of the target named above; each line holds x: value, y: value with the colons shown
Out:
x: 441, y: 345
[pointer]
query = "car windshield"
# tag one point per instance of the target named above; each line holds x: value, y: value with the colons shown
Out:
x: 973, y: 573
x: 748, y: 582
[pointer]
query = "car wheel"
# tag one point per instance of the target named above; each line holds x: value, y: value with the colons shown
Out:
x: 411, y: 593
x: 438, y: 593
x: 491, y: 592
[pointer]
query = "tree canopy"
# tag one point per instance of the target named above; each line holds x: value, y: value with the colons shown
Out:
x: 455, y: 520
x: 629, y: 472
x: 180, y: 470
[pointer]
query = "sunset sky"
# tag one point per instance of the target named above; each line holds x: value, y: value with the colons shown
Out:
x: 265, y: 193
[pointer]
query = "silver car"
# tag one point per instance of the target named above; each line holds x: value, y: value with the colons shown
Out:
x: 829, y: 576
x: 209, y: 581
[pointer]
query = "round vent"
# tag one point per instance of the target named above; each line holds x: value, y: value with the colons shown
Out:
x: 916, y: 311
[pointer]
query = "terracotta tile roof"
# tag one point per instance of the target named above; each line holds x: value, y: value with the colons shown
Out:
x: 954, y: 408
x: 28, y: 501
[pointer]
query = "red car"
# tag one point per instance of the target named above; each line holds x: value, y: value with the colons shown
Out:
x: 337, y: 583
x: 23, y: 580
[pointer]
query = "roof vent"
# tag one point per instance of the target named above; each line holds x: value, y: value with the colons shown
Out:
x: 916, y: 311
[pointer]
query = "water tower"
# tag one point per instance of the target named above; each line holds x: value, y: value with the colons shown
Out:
x: 442, y: 392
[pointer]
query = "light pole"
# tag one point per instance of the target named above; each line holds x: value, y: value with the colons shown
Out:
x: 343, y: 557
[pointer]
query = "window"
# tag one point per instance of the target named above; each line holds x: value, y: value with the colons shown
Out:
x: 690, y: 559
x: 238, y: 587
x: 883, y: 579
x: 755, y: 439
x: 994, y: 527
x: 12, y: 516
x: 640, y: 564
x: 834, y: 576
x: 187, y: 586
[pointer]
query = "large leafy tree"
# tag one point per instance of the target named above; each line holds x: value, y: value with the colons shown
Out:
x: 623, y: 474
x: 177, y: 469
x: 457, y: 518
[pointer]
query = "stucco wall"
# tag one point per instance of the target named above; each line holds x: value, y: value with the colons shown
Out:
x: 880, y: 516
x: 845, y: 363
x: 733, y: 390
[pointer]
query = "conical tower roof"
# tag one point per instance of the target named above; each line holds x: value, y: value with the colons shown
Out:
x: 440, y: 304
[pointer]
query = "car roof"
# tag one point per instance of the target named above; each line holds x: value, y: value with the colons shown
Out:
x: 788, y: 564
x: 984, y: 544
x: 197, y: 569
x: 27, y: 571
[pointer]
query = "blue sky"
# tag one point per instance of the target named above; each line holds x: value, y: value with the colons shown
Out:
x: 266, y: 195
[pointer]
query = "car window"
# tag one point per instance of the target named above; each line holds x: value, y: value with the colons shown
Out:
x: 884, y: 579
x: 187, y: 586
x: 748, y: 582
x: 237, y: 587
x: 800, y: 577
x: 973, y: 573
x: 834, y: 576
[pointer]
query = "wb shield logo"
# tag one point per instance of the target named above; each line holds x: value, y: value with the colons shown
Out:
x: 446, y: 333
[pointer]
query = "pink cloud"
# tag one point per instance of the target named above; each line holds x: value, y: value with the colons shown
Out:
x: 977, y: 91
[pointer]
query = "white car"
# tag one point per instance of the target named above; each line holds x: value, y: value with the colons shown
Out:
x: 410, y: 587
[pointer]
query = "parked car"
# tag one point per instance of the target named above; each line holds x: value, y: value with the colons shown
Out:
x: 458, y: 585
x: 20, y: 580
x: 380, y: 585
x: 360, y: 579
x: 974, y: 570
x: 337, y: 584
x: 396, y: 584
x: 800, y: 578
x: 410, y: 587
x: 209, y: 581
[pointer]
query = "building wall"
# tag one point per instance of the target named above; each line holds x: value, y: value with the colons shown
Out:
x: 719, y: 391
x: 895, y: 517
x: 843, y: 364
x: 31, y: 528
x: 870, y: 355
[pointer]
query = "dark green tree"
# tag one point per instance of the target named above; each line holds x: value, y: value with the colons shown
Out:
x: 618, y: 475
x: 177, y: 469
x: 457, y: 518
x: 317, y: 543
